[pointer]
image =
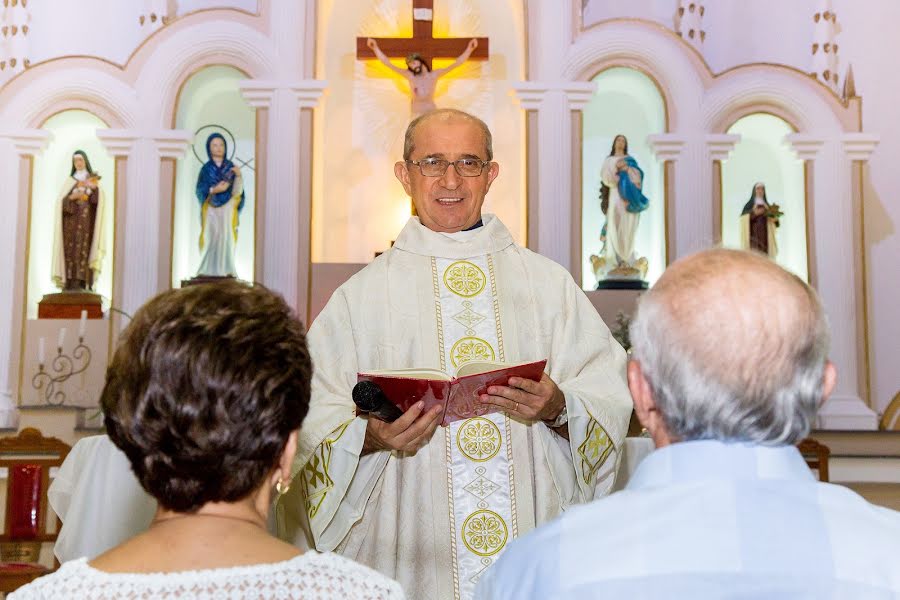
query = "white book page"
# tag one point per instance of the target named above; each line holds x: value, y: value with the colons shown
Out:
x: 476, y: 367
x: 429, y: 374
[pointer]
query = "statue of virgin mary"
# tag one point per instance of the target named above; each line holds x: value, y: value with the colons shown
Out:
x: 220, y: 191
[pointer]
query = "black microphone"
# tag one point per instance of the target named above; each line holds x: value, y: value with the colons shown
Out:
x: 369, y: 399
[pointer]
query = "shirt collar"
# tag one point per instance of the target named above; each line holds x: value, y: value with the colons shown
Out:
x: 704, y: 460
x: 493, y: 236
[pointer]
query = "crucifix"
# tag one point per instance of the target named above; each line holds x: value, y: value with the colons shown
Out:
x: 419, y: 50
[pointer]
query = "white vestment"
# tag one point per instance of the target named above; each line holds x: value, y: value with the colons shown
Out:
x: 621, y: 225
x: 219, y: 235
x: 434, y: 520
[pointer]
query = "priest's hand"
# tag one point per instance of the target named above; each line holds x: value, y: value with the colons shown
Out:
x: 408, y: 433
x: 527, y: 400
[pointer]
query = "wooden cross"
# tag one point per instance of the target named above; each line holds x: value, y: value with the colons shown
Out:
x: 423, y: 40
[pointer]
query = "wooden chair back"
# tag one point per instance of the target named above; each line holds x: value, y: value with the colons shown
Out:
x: 816, y: 456
x: 27, y: 458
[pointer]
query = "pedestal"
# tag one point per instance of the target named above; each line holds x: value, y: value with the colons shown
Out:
x: 622, y: 284
x: 201, y: 279
x: 68, y: 305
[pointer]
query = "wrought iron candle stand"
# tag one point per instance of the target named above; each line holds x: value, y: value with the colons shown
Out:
x: 64, y: 367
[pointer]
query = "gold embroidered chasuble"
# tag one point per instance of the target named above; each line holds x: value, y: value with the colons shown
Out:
x: 436, y: 519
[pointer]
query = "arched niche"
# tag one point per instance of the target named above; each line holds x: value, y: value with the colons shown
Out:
x: 762, y: 155
x: 626, y: 102
x: 211, y: 101
x: 72, y: 130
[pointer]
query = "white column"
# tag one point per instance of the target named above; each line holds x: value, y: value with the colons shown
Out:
x: 837, y: 270
x: 693, y: 221
x: 554, y: 103
x: 138, y: 214
x: 14, y: 146
x: 667, y: 148
x: 285, y: 224
x: 551, y: 29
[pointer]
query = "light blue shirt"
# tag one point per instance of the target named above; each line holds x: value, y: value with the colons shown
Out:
x: 707, y: 519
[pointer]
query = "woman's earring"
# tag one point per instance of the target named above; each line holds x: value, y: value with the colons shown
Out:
x: 281, y: 488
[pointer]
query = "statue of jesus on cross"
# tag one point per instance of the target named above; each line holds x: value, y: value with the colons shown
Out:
x: 418, y: 51
x: 422, y: 79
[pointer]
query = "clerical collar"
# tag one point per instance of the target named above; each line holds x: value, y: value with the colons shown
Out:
x: 480, y: 223
x: 491, y: 236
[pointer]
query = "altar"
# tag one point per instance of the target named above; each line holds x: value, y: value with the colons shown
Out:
x: 311, y: 123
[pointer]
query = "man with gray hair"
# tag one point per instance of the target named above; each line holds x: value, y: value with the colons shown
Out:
x: 725, y: 507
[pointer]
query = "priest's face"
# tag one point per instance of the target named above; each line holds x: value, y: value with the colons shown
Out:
x: 450, y: 202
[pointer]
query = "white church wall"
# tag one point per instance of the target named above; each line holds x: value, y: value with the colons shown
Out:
x: 108, y: 30
x: 660, y: 11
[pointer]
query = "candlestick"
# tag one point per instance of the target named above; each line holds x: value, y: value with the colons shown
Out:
x: 41, y: 351
x: 62, y: 338
x: 83, y: 324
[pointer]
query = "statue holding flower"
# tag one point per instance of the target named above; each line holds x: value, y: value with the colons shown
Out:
x: 759, y: 222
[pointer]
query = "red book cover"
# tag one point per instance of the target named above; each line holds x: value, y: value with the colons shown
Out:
x: 457, y: 395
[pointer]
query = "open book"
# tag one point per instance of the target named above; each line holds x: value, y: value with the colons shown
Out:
x: 458, y: 395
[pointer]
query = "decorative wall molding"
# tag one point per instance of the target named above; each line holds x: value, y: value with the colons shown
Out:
x: 859, y: 146
x: 666, y: 146
x: 532, y: 93
x: 28, y: 142
x: 118, y: 142
x: 805, y: 146
x: 259, y: 93
x: 172, y: 143
x: 309, y: 92
x: 720, y: 145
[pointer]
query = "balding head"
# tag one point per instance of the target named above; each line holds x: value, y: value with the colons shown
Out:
x: 733, y: 348
x: 446, y: 114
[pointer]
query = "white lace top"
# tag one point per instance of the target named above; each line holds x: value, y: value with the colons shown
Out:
x: 310, y: 576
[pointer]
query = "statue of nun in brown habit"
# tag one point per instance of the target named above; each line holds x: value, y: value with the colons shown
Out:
x: 78, y: 245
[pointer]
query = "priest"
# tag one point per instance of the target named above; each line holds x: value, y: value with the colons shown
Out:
x: 431, y: 506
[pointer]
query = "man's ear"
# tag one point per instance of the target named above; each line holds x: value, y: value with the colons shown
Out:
x: 829, y: 380
x: 493, y: 171
x: 401, y: 172
x: 640, y: 392
x: 645, y: 405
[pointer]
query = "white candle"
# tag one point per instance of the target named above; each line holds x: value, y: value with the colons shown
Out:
x: 83, y: 324
x: 41, y: 351
x: 62, y: 338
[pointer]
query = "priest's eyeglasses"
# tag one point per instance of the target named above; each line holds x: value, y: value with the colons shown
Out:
x: 436, y: 167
